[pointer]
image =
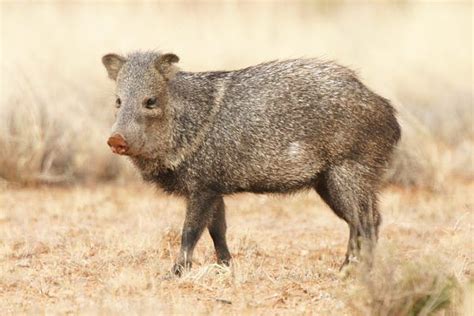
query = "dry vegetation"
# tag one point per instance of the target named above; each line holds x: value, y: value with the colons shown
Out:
x: 108, y: 249
x: 98, y: 241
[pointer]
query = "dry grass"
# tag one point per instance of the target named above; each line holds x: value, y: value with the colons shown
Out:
x: 108, y: 249
x: 421, y: 285
x: 102, y: 248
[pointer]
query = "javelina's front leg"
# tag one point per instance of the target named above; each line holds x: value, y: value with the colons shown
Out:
x: 198, y: 214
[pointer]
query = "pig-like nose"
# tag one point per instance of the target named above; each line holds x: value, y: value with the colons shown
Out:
x: 118, y: 144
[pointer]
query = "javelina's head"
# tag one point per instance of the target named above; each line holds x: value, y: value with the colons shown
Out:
x: 142, y: 125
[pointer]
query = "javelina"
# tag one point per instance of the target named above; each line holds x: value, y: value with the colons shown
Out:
x: 276, y: 127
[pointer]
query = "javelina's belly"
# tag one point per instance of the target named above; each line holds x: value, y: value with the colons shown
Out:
x: 262, y: 169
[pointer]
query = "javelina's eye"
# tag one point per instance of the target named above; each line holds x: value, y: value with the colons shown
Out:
x: 151, y: 103
x: 118, y: 102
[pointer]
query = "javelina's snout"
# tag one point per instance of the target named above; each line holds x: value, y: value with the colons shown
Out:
x: 118, y: 144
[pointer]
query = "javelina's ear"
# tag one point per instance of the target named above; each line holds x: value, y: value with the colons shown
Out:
x: 113, y: 63
x: 164, y: 64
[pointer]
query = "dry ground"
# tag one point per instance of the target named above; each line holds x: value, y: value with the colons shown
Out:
x: 108, y: 249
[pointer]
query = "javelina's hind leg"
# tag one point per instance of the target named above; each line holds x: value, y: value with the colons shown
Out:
x: 350, y: 194
x: 217, y: 228
x: 198, y: 214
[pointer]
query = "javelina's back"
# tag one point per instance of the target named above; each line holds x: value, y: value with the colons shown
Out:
x: 276, y: 125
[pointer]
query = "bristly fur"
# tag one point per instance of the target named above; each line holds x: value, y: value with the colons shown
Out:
x: 276, y: 127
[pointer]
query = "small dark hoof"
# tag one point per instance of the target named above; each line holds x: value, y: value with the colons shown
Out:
x: 224, y: 262
x: 179, y: 268
x: 350, y: 260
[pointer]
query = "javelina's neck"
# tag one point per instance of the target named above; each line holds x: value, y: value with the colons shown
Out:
x: 195, y: 100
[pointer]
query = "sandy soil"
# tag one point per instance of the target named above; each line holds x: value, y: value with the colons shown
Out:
x: 108, y: 248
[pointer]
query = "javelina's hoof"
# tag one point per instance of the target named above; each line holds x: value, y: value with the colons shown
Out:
x: 348, y: 267
x: 224, y: 262
x: 347, y: 270
x: 179, y: 268
x: 351, y: 260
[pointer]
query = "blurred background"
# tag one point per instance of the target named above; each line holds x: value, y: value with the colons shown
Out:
x: 56, y: 103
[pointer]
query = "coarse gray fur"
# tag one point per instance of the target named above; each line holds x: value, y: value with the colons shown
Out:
x: 276, y: 127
